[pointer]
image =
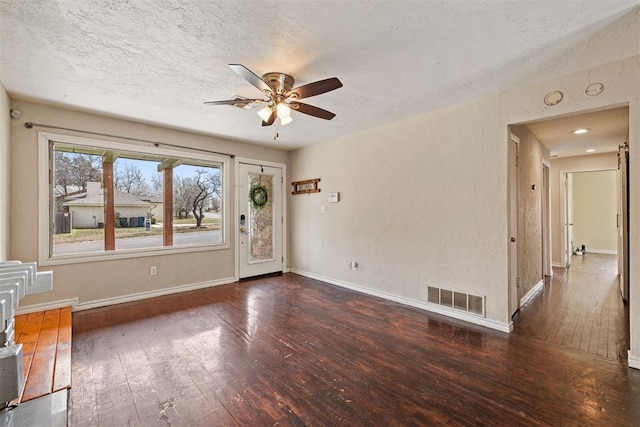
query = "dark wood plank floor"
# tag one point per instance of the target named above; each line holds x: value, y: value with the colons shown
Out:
x: 580, y: 308
x: 293, y: 351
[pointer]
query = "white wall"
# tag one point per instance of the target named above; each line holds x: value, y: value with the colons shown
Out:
x: 100, y: 280
x: 4, y: 173
x: 595, y: 209
x: 423, y: 202
x: 90, y: 216
x: 86, y: 216
x: 558, y: 166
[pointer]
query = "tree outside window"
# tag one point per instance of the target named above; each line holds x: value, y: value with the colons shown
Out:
x: 137, y: 197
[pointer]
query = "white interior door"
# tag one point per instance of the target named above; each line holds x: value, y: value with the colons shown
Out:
x: 260, y: 220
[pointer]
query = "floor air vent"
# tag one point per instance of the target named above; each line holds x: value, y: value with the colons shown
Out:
x: 460, y: 301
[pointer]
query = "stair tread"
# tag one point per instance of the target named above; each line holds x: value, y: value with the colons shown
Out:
x: 46, y: 340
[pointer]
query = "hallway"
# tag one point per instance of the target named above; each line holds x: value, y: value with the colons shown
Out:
x: 580, y: 308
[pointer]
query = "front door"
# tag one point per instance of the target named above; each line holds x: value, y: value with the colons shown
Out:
x: 260, y: 219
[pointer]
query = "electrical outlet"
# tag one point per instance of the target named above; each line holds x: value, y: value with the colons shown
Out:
x: 153, y: 270
x: 353, y: 265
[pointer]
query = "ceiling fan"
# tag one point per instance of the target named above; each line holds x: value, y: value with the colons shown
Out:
x: 281, y: 98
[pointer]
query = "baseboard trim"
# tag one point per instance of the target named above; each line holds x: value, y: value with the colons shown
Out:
x: 557, y: 265
x: 150, y: 294
x: 602, y: 251
x: 481, y: 321
x: 537, y: 288
x: 52, y: 305
x: 634, y: 361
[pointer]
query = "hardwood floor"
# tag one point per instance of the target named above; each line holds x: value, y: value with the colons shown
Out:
x: 580, y: 308
x: 294, y: 351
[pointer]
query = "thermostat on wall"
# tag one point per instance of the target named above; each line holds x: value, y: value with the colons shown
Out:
x: 334, y: 197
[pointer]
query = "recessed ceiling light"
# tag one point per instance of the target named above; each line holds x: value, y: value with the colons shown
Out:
x: 580, y: 131
x: 591, y: 150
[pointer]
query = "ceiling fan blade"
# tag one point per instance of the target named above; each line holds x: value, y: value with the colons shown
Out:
x: 249, y: 76
x: 313, y: 111
x: 272, y: 118
x: 317, y: 88
x: 235, y: 101
x: 225, y: 102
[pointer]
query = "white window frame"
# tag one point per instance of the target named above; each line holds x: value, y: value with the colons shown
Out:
x: 45, y: 164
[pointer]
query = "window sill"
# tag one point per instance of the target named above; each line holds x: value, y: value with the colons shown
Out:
x: 128, y: 254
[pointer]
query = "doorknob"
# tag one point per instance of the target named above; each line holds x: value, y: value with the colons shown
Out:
x: 243, y: 230
x: 513, y: 239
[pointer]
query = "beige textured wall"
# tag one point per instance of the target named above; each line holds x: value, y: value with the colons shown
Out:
x: 4, y: 173
x: 595, y: 203
x: 423, y: 202
x: 91, y: 281
x: 531, y: 154
x: 587, y: 162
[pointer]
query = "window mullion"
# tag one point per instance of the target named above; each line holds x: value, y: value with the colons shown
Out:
x: 109, y: 203
x: 167, y: 198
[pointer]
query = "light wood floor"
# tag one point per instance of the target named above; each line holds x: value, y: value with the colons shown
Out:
x: 581, y: 308
x: 288, y: 350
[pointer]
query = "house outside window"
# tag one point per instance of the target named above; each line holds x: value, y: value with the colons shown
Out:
x: 111, y: 200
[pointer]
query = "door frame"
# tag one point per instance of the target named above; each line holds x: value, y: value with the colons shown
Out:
x: 547, y: 270
x: 564, y: 200
x: 236, y: 209
x: 512, y: 186
x: 623, y: 221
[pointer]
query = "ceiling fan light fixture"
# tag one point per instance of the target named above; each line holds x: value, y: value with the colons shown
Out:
x: 280, y: 95
x: 265, y: 113
x: 580, y: 131
x: 283, y: 110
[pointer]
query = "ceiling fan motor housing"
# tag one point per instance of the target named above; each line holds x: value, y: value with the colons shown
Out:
x: 280, y: 83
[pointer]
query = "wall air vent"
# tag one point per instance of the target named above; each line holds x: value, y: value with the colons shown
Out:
x: 459, y: 301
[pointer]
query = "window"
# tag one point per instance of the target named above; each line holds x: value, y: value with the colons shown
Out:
x: 115, y: 200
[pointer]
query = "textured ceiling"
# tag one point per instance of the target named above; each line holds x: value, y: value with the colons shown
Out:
x: 157, y: 61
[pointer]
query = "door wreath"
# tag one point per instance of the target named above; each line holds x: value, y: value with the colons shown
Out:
x: 259, y: 196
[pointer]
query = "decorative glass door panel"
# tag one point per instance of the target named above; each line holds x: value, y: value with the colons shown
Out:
x: 260, y: 220
x: 260, y: 208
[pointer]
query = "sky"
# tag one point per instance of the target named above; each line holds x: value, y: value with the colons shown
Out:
x: 150, y: 168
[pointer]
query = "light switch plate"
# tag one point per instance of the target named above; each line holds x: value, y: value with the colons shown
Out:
x: 334, y: 197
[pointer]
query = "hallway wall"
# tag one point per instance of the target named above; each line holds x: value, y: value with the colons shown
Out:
x: 595, y: 209
x: 531, y: 154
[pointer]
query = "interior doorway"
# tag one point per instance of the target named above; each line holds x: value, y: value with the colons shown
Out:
x: 582, y: 149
